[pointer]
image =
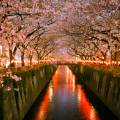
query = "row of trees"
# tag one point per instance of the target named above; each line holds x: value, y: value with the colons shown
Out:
x: 92, y: 26
x: 24, y: 25
x: 95, y: 30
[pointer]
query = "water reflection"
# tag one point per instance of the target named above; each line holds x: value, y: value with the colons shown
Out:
x: 64, y: 100
x: 85, y: 105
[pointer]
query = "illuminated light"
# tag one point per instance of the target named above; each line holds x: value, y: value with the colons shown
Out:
x: 79, y: 98
x: 67, y: 76
x: 34, y: 61
x: 79, y: 94
x: 86, y: 107
x: 7, y: 64
x: 107, y: 63
x: 9, y: 88
x: 56, y: 72
x: 55, y: 79
x: 73, y: 83
x: 92, y: 114
x: 41, y: 114
x: 50, y: 92
x: 0, y: 49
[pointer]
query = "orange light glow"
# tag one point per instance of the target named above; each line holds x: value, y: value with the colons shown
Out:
x: 63, y: 90
x: 87, y: 108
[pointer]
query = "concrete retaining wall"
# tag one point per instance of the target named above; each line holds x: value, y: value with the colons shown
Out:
x: 102, y: 83
x: 16, y: 97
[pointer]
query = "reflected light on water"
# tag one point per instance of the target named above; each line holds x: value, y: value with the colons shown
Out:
x: 50, y: 92
x: 43, y: 107
x: 70, y: 79
x: 93, y: 115
x: 84, y: 104
x: 73, y: 83
x: 64, y: 93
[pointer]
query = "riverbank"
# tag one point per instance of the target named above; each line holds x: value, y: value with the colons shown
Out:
x: 102, y: 82
x: 19, y: 90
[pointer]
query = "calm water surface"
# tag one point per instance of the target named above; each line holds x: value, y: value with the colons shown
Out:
x: 64, y: 99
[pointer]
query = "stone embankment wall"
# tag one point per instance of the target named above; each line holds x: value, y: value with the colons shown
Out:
x: 17, y: 96
x: 104, y: 84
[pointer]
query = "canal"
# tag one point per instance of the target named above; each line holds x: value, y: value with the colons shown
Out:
x: 66, y: 99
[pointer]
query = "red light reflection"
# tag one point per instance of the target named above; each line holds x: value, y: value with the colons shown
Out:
x: 43, y: 107
x: 63, y: 91
x: 84, y: 104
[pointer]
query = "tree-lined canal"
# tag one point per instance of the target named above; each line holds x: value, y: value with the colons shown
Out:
x: 66, y: 99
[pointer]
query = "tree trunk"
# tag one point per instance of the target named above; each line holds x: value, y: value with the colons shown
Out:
x: 116, y: 58
x: 22, y: 58
x: 10, y: 55
x: 38, y: 58
x: 30, y: 59
x: 11, y: 58
x: 104, y: 59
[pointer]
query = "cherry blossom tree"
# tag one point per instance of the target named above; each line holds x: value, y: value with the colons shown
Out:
x: 92, y: 25
x: 95, y: 29
x: 21, y: 22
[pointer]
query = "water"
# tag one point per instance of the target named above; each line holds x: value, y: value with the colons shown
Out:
x: 65, y: 99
